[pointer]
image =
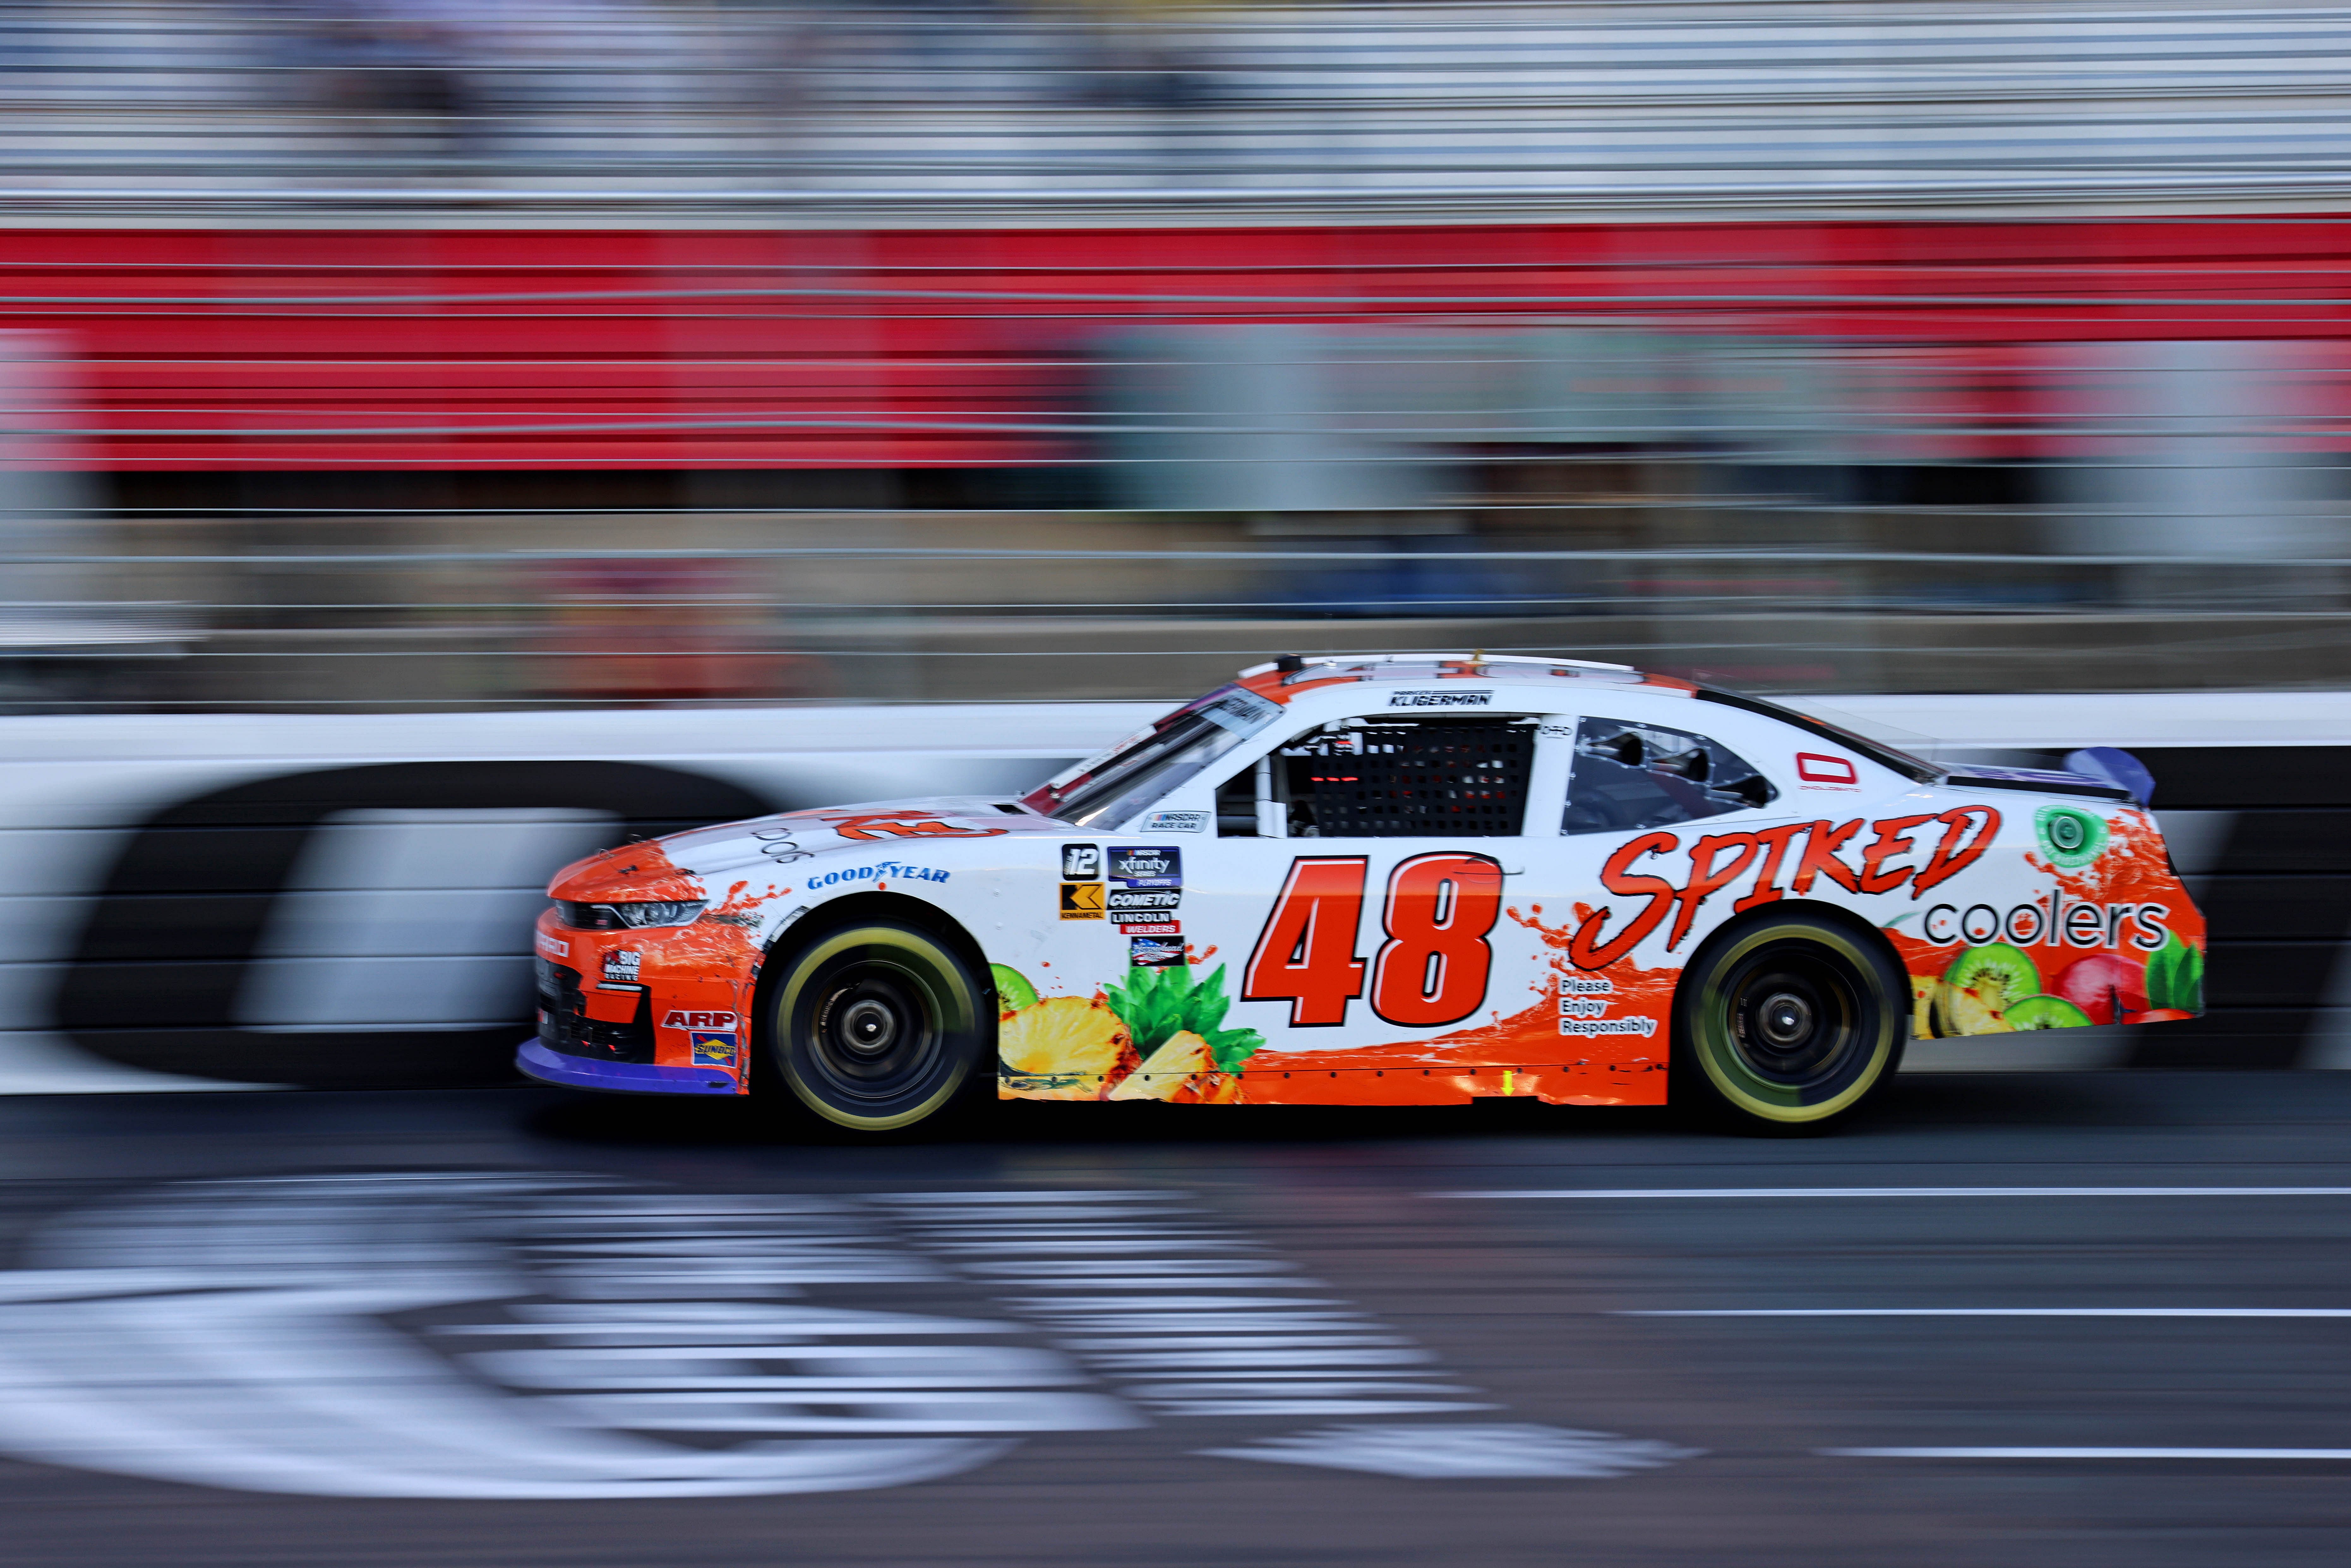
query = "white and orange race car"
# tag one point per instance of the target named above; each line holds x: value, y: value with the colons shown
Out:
x: 1396, y: 880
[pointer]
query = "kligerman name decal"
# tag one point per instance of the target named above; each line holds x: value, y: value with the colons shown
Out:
x: 1803, y: 853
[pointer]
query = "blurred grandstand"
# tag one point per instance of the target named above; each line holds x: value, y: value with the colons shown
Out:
x: 407, y: 354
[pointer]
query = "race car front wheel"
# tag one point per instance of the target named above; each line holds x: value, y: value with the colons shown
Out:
x: 874, y: 1026
x: 1787, y: 1023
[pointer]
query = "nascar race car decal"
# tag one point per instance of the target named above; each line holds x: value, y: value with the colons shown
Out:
x: 1401, y: 879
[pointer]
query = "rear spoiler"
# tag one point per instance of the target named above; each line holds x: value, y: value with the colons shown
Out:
x: 2100, y: 772
x: 2040, y: 781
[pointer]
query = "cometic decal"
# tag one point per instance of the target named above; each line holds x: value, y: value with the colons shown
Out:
x: 1143, y: 904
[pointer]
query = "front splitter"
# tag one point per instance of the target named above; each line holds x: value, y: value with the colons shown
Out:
x: 533, y: 1060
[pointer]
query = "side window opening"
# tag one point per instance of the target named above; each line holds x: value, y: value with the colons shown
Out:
x: 1380, y: 777
x: 1641, y: 775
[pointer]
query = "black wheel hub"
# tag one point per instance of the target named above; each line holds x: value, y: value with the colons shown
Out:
x: 1795, y: 1018
x: 874, y: 1035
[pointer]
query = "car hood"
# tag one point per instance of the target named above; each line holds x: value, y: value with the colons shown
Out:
x: 902, y: 829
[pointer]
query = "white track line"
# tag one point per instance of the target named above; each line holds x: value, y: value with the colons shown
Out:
x: 1693, y: 1192
x: 1992, y: 1313
x: 2043, y: 1453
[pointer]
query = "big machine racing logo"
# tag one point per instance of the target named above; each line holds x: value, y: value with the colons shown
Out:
x: 2110, y: 890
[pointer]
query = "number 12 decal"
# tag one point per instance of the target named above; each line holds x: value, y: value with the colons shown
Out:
x: 1431, y: 971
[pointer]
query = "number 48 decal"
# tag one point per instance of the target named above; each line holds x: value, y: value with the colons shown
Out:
x: 1431, y: 971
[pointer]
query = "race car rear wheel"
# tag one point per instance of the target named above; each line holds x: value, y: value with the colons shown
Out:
x: 874, y: 1026
x: 1786, y: 1024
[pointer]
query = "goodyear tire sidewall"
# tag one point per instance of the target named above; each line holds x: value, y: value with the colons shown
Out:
x: 954, y: 1000
x: 1706, y: 1050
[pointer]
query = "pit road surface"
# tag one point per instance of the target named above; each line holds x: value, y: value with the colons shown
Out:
x: 516, y: 1327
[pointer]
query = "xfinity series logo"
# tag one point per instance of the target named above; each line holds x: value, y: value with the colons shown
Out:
x: 1440, y: 699
x: 1147, y: 867
x: 678, y: 1018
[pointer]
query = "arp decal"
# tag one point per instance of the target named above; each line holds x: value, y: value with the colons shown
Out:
x: 678, y: 1018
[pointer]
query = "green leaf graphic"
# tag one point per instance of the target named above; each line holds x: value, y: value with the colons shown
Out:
x: 2175, y: 976
x: 1158, y: 1005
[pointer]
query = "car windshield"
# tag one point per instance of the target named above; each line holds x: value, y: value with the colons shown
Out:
x: 1106, y: 790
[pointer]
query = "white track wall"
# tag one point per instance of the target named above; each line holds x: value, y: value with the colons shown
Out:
x: 396, y: 912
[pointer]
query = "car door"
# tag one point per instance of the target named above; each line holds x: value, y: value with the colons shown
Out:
x: 1640, y: 846
x: 1353, y: 890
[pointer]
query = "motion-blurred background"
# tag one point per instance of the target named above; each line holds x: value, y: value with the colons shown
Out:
x: 409, y: 355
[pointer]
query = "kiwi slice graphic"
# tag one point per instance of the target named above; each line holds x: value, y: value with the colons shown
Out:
x: 2046, y: 1012
x: 2069, y: 836
x: 1013, y: 990
x: 1980, y: 986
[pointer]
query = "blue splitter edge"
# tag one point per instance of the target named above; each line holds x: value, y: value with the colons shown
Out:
x: 533, y: 1060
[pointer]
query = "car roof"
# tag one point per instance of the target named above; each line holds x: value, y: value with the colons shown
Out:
x: 1283, y: 680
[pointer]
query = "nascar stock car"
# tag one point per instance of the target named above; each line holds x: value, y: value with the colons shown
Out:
x: 1393, y: 880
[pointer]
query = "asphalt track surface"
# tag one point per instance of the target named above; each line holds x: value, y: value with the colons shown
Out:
x: 1179, y: 1335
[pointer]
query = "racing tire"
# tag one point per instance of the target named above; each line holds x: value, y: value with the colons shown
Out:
x: 874, y: 1026
x: 1786, y: 1024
